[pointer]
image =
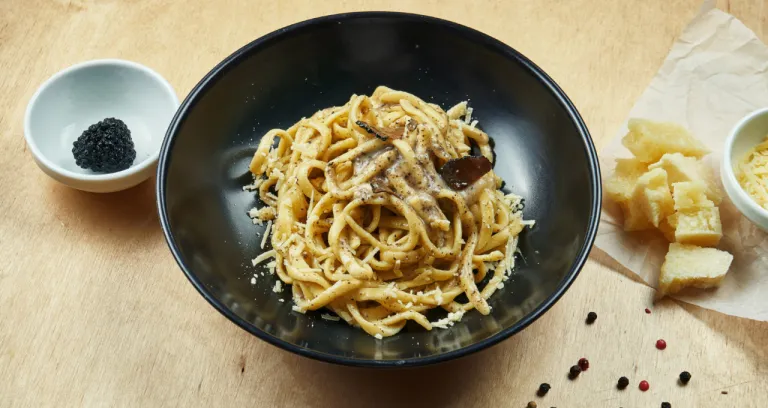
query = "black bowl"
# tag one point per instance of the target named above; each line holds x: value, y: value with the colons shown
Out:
x: 544, y: 153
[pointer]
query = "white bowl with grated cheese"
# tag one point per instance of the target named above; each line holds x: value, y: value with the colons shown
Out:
x: 744, y: 137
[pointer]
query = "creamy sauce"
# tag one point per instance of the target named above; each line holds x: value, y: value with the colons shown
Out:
x: 418, y: 187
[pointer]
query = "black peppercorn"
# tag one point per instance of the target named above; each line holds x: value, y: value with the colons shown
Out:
x: 685, y: 376
x: 666, y: 405
x: 574, y: 372
x: 543, y: 389
x: 623, y: 383
x: 591, y: 317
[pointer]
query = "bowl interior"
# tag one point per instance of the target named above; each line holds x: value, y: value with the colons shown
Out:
x: 543, y: 153
x: 80, y: 96
x: 752, y: 133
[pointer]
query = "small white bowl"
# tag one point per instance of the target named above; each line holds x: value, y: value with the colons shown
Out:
x: 73, y: 99
x: 747, y: 134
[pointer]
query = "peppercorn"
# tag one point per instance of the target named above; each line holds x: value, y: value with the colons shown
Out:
x: 574, y: 372
x: 644, y: 386
x: 623, y: 383
x: 105, y: 147
x: 666, y: 405
x: 531, y: 404
x: 583, y: 364
x: 685, y: 376
x: 543, y: 389
x: 661, y: 344
x: 591, y: 317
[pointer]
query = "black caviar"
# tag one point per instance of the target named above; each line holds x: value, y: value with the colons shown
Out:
x: 105, y: 147
x: 543, y: 389
x: 666, y: 405
x: 685, y: 376
x: 623, y: 383
x: 591, y: 317
x: 574, y: 372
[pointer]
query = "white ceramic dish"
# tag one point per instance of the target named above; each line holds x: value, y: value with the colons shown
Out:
x: 749, y: 132
x: 86, y: 93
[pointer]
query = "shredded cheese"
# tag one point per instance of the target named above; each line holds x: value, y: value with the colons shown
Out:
x: 253, y: 186
x: 267, y: 231
x: 753, y: 173
x: 329, y: 317
x: 449, y: 320
x: 263, y: 257
x: 370, y: 255
x: 288, y: 241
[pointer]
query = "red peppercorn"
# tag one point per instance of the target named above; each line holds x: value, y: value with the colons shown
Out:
x: 583, y: 364
x: 644, y: 386
x: 661, y: 344
x: 647, y: 311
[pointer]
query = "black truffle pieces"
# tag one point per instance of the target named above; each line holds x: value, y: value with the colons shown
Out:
x: 105, y: 147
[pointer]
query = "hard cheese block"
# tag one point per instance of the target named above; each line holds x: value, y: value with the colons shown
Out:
x: 692, y: 266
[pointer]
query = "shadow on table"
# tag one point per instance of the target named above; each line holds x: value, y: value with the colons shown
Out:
x: 750, y: 334
x: 106, y: 215
x: 432, y: 386
x: 602, y: 258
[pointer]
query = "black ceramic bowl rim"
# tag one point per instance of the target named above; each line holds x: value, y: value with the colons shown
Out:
x: 211, y: 78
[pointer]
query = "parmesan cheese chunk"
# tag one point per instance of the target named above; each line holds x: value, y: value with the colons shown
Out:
x: 649, y: 140
x: 702, y: 227
x: 680, y: 168
x: 692, y: 266
x: 620, y: 185
x: 653, y: 197
x: 690, y: 195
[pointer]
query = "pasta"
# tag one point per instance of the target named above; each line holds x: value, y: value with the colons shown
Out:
x: 364, y: 224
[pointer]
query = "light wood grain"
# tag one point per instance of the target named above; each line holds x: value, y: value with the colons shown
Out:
x: 94, y: 311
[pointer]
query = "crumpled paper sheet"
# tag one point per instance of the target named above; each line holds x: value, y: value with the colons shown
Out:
x: 716, y: 73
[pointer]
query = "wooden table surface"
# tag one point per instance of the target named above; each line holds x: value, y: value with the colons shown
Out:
x: 95, y: 312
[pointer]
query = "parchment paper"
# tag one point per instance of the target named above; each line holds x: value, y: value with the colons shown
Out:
x: 716, y: 72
